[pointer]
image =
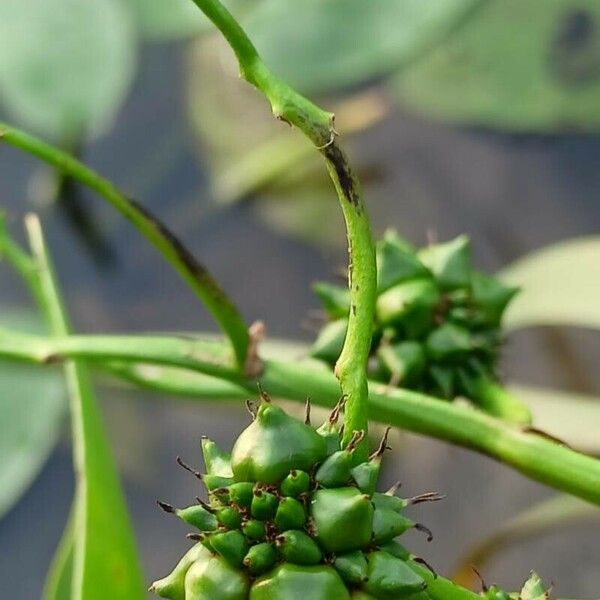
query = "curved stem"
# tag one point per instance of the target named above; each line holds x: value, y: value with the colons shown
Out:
x: 529, y: 453
x: 317, y: 124
x: 195, y: 274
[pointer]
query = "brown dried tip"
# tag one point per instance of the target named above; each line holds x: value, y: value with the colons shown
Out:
x: 197, y: 537
x: 423, y: 562
x: 168, y: 508
x: 426, y: 530
x: 207, y: 507
x: 251, y: 408
x: 484, y: 587
x: 394, y: 489
x: 383, y: 445
x: 263, y: 395
x: 307, y: 412
x: 337, y: 409
x: 187, y: 467
x: 355, y: 440
x: 426, y: 497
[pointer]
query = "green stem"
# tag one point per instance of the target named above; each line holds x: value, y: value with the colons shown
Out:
x: 317, y: 125
x: 531, y: 454
x: 195, y: 274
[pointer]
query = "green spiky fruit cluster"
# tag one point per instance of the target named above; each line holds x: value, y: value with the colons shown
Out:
x: 437, y: 326
x: 293, y: 515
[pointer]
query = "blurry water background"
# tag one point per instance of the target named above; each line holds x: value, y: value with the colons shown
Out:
x: 510, y: 193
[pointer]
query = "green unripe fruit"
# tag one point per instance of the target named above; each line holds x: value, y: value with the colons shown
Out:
x: 450, y: 262
x: 335, y: 470
x: 173, y: 585
x: 343, y: 519
x: 292, y: 582
x: 229, y: 517
x: 412, y: 304
x: 352, y: 567
x: 298, y: 548
x: 215, y: 579
x: 365, y: 476
x: 295, y: 484
x: 396, y: 549
x: 231, y: 545
x: 241, y: 493
x: 260, y: 558
x: 360, y: 595
x: 254, y: 530
x: 330, y: 340
x: 388, y: 524
x: 290, y: 514
x: 388, y: 502
x: 216, y: 461
x: 391, y: 578
x: 197, y: 516
x: 273, y: 445
x: 264, y: 505
x: 216, y: 482
x: 405, y: 361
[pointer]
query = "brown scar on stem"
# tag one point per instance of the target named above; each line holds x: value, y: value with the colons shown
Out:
x: 338, y: 161
x: 546, y: 435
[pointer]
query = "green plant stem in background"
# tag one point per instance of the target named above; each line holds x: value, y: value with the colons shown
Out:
x: 317, y: 125
x: 195, y: 274
x: 99, y: 530
x: 532, y: 454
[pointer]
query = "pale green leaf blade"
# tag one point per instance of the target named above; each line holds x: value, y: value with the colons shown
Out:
x: 60, y: 576
x: 331, y: 43
x: 571, y: 417
x: 105, y: 562
x: 32, y: 411
x: 560, y: 285
x: 526, y: 66
x: 65, y: 65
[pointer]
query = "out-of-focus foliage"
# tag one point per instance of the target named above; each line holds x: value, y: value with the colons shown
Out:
x: 322, y: 45
x: 560, y: 283
x: 525, y: 66
x: 65, y: 65
x: 167, y: 19
x: 32, y: 409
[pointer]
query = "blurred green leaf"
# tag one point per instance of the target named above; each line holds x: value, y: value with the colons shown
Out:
x: 331, y: 43
x: 60, y: 576
x: 560, y: 285
x: 165, y: 20
x: 543, y: 517
x: 162, y: 20
x: 571, y: 417
x: 32, y: 410
x: 531, y: 66
x: 65, y: 65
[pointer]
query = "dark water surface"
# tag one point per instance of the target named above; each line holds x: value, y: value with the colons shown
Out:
x: 510, y: 194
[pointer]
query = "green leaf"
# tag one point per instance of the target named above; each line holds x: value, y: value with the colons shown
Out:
x: 559, y: 285
x: 162, y: 20
x: 105, y: 562
x: 65, y: 65
x: 529, y: 66
x: 331, y: 43
x: 32, y: 411
x: 569, y: 416
x: 60, y: 576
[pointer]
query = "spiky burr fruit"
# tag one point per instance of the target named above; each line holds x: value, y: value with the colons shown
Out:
x: 437, y: 327
x: 292, y: 514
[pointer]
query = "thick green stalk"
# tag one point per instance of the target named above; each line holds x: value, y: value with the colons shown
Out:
x: 317, y: 125
x: 195, y: 274
x: 532, y: 454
